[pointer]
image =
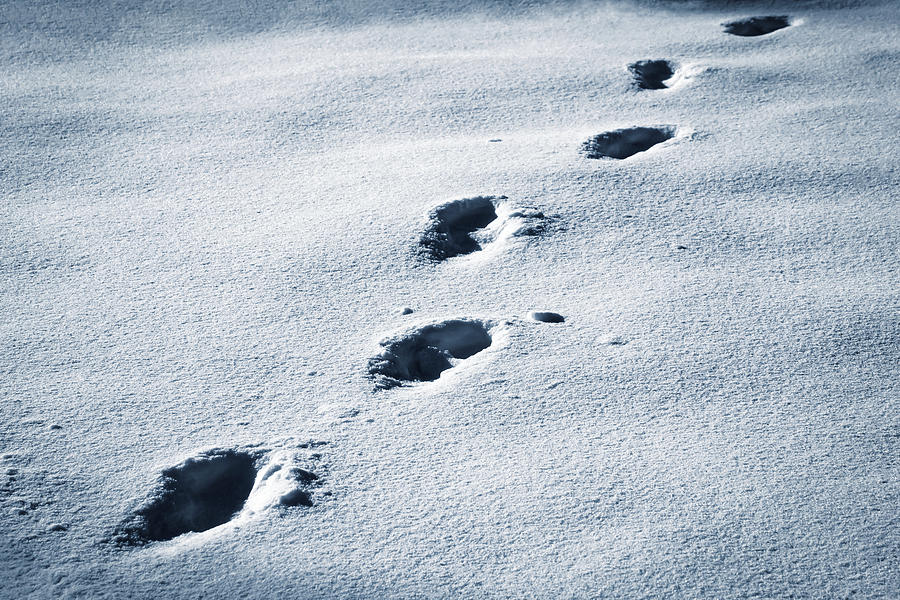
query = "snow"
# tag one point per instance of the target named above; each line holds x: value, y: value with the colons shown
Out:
x: 213, y: 220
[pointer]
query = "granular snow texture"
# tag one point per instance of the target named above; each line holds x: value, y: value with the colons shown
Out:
x: 213, y: 215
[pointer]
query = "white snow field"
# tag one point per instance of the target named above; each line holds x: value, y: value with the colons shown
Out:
x: 449, y: 299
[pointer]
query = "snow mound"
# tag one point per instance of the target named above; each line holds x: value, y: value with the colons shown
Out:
x: 214, y: 488
x: 753, y: 26
x: 651, y: 74
x: 281, y: 482
x: 622, y: 143
x: 424, y: 353
x: 468, y: 225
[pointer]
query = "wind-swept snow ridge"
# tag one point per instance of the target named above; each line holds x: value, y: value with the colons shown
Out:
x: 468, y: 225
x: 651, y: 74
x: 622, y: 143
x: 212, y: 489
x: 424, y: 353
x: 753, y: 26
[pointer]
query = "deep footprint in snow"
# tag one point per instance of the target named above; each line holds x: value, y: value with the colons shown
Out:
x: 753, y: 26
x: 546, y: 316
x: 650, y: 74
x: 451, y: 226
x: 465, y: 226
x: 196, y: 495
x: 424, y: 353
x: 622, y: 143
x: 211, y: 489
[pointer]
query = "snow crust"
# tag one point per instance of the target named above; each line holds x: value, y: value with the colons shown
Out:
x: 213, y: 217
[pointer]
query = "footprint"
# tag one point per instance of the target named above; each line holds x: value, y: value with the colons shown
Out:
x: 753, y: 26
x: 212, y: 489
x: 622, y: 143
x: 424, y: 353
x: 546, y: 316
x: 650, y: 74
x: 468, y: 225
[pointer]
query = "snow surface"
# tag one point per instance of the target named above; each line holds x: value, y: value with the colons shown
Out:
x: 212, y: 216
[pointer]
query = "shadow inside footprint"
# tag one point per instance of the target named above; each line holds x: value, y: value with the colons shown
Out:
x: 753, y: 26
x: 425, y: 353
x: 622, y: 143
x: 450, y: 226
x: 200, y: 493
x: 547, y: 316
x: 650, y: 74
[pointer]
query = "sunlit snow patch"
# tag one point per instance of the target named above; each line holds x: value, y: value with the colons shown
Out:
x: 471, y: 224
x: 216, y: 488
x: 683, y: 75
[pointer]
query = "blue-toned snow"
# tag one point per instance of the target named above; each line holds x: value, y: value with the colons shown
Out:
x: 213, y: 213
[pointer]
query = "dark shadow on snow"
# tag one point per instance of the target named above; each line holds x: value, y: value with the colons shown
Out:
x: 753, y: 26
x: 201, y: 493
x: 450, y: 225
x: 622, y: 143
x: 650, y: 74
